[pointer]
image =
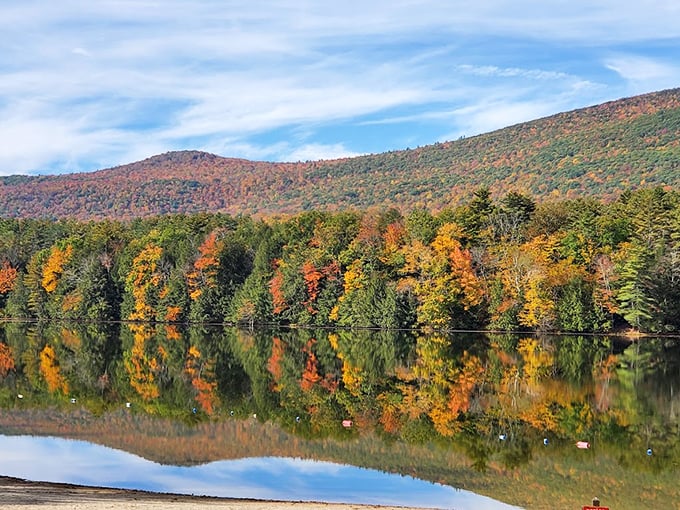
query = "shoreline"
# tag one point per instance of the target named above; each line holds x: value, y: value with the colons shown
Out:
x: 20, y: 494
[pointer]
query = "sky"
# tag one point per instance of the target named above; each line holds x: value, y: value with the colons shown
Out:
x: 86, y: 85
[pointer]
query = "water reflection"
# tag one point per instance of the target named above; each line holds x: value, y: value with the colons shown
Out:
x: 431, y: 406
x: 285, y: 479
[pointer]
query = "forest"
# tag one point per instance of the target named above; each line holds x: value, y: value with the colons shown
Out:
x: 506, y: 264
x: 96, y: 312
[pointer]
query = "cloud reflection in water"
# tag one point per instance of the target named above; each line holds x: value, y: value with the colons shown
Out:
x: 79, y: 462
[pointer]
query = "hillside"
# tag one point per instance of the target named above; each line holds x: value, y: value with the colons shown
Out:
x: 600, y: 150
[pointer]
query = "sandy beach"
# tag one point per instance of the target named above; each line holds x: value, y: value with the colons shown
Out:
x: 16, y: 494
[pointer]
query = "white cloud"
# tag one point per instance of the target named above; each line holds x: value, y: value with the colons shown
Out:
x: 90, y: 83
x: 317, y: 151
x: 483, y: 118
x: 512, y: 72
x: 641, y: 73
x: 81, y: 51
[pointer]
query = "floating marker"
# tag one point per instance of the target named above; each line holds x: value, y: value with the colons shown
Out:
x: 584, y: 445
x: 73, y: 401
x: 545, y: 441
x: 502, y: 437
x: 649, y: 451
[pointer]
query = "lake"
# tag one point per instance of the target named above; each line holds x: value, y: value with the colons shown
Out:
x: 464, y: 420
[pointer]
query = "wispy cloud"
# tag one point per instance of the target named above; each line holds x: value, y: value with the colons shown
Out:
x: 90, y: 84
x: 642, y: 72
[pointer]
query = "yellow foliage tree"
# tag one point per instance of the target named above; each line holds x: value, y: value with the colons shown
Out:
x: 143, y: 276
x: 140, y: 367
x: 539, y: 307
x: 442, y: 276
x: 537, y: 362
x: 54, y: 267
x: 49, y: 368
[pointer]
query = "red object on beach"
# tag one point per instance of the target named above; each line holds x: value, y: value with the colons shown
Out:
x: 582, y: 444
x: 347, y: 423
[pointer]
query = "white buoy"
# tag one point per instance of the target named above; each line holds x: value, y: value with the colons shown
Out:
x: 73, y: 401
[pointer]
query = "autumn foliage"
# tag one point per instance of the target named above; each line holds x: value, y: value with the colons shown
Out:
x: 49, y: 368
x: 6, y: 360
x: 205, y: 268
x: 200, y: 372
x: 54, y: 267
x: 8, y: 276
x: 596, y: 151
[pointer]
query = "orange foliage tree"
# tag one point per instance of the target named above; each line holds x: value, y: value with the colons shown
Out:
x: 6, y: 360
x: 276, y: 289
x: 202, y: 375
x: 310, y: 375
x: 274, y: 363
x: 8, y: 276
x: 205, y: 267
x: 312, y: 277
x: 466, y: 379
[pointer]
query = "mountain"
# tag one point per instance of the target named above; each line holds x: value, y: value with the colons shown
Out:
x: 595, y: 151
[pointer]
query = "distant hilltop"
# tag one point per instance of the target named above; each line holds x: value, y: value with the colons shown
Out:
x: 596, y: 151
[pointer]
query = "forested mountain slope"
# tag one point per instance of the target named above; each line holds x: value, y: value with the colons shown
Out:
x: 596, y: 151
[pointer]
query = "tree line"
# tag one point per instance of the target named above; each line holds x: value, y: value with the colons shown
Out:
x: 582, y: 265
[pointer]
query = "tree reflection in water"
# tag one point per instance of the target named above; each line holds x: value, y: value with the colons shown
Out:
x: 432, y: 406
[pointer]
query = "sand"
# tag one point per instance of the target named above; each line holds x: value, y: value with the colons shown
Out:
x: 18, y: 494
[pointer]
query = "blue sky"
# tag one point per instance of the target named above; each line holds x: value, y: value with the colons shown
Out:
x: 87, y: 85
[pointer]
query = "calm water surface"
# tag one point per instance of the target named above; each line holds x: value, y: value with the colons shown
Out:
x: 285, y: 479
x: 259, y: 414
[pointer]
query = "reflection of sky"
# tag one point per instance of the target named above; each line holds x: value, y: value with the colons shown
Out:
x: 79, y: 462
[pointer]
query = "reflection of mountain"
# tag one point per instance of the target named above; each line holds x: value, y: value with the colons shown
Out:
x: 262, y: 478
x: 432, y: 406
x: 558, y: 476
